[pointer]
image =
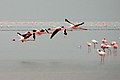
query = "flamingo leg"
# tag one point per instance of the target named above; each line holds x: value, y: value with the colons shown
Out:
x: 101, y: 59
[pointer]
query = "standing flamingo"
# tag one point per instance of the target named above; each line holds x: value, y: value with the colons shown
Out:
x: 106, y: 46
x: 89, y: 49
x: 113, y: 42
x: 104, y: 40
x: 102, y: 55
x: 94, y: 42
x: 115, y: 46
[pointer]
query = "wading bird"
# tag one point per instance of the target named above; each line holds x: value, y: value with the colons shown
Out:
x: 94, y: 42
x: 106, y: 46
x: 102, y: 54
x: 89, y: 49
x: 104, y: 40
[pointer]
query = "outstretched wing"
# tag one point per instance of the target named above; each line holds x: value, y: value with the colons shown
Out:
x: 78, y: 24
x: 66, y: 20
x: 55, y: 32
x: 27, y: 36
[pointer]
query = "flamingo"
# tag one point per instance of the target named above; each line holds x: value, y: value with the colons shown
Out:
x: 115, y: 46
x: 94, y: 42
x: 113, y: 42
x: 66, y: 28
x: 74, y: 26
x: 41, y: 31
x: 25, y: 37
x: 89, y: 49
x: 102, y: 54
x: 57, y: 30
x: 104, y: 40
x: 105, y: 46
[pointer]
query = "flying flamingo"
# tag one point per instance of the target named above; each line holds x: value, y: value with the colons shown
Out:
x: 113, y: 42
x: 103, y: 46
x: 57, y: 30
x: 89, y: 49
x: 25, y: 37
x: 41, y: 31
x: 102, y: 54
x: 94, y: 42
x: 74, y: 26
x: 67, y: 28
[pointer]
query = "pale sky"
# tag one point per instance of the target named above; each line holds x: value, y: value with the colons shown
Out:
x: 57, y: 10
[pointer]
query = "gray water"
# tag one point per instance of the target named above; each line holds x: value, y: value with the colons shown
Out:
x: 59, y: 58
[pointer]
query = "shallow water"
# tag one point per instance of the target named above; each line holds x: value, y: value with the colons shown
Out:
x: 59, y: 58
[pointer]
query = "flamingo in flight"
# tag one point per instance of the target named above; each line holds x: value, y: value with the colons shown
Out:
x: 25, y: 37
x: 65, y: 28
x: 74, y: 26
x: 57, y: 30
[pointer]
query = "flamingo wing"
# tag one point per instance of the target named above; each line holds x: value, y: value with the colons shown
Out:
x: 66, y: 20
x: 78, y: 24
x: 27, y: 36
x: 55, y: 32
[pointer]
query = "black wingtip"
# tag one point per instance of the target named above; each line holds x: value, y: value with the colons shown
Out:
x: 18, y: 33
x: 66, y: 20
x: 46, y: 30
x: 82, y: 23
x: 53, y: 34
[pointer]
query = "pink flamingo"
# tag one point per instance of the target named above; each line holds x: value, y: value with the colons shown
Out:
x: 57, y: 30
x: 89, y: 49
x: 94, y: 42
x: 104, y: 40
x: 102, y: 54
x: 74, y: 26
x: 115, y: 46
x: 25, y: 37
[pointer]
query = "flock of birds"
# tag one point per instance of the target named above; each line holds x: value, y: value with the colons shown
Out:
x: 65, y: 29
x: 106, y: 48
